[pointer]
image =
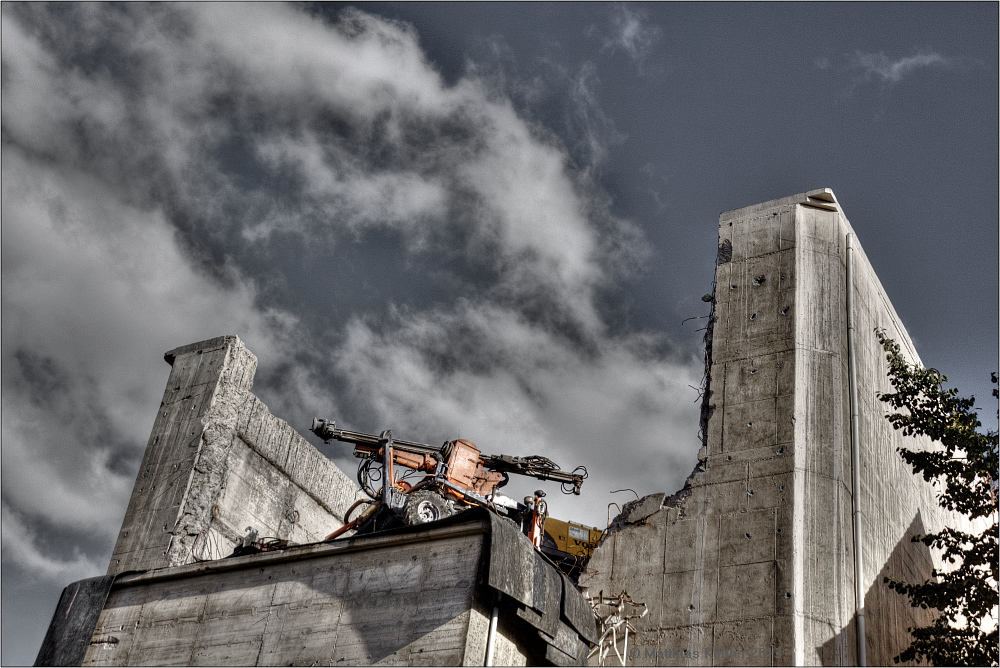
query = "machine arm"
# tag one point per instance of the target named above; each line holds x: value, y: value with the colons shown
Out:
x: 328, y: 431
x: 535, y: 466
x: 367, y: 445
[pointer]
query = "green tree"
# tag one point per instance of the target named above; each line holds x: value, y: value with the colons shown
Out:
x: 964, y: 470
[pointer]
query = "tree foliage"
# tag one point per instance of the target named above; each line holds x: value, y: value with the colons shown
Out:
x: 964, y: 470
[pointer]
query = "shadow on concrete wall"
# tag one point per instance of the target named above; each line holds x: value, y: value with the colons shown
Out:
x: 888, y: 614
x: 299, y: 614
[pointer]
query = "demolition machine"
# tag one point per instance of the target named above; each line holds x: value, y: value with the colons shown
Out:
x: 413, y: 483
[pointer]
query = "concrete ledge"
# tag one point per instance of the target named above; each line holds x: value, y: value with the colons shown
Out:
x: 300, y: 552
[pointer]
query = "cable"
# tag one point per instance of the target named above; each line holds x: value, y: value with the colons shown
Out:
x: 580, y: 471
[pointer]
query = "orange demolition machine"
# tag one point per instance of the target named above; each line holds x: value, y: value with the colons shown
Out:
x: 413, y: 483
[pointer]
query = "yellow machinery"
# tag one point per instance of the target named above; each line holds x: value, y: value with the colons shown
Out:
x: 569, y: 544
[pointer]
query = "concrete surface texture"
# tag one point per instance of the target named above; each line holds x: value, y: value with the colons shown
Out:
x: 218, y: 462
x: 752, y: 563
x: 422, y: 595
x: 398, y: 601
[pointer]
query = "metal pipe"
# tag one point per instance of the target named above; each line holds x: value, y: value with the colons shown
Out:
x: 389, y: 482
x: 859, y: 594
x: 625, y: 652
x: 491, y: 639
x: 328, y: 431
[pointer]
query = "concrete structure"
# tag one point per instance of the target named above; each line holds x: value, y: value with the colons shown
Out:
x: 422, y: 595
x: 217, y: 462
x: 753, y: 561
x: 419, y: 596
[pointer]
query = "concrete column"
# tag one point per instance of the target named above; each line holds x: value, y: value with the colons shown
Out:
x: 194, y: 428
x: 752, y: 562
x: 218, y: 462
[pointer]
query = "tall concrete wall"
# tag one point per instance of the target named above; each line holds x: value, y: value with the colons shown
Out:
x: 753, y: 561
x: 217, y: 462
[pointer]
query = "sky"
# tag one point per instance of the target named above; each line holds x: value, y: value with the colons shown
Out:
x: 482, y: 221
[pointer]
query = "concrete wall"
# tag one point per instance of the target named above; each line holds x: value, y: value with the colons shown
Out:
x: 754, y: 559
x: 415, y: 596
x: 217, y: 462
x: 398, y: 600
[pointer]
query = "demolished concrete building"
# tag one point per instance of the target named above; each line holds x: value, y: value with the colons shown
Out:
x: 217, y: 461
x: 754, y: 562
x: 758, y: 560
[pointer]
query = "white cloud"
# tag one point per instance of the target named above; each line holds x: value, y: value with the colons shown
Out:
x: 20, y: 547
x: 613, y: 408
x: 221, y: 125
x: 364, y: 66
x: 94, y: 291
x: 595, y: 132
x: 631, y: 33
x: 880, y: 67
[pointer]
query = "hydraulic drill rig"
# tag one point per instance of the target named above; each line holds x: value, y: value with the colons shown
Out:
x: 423, y: 483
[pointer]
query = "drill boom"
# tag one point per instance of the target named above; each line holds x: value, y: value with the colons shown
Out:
x: 328, y: 431
x: 533, y: 466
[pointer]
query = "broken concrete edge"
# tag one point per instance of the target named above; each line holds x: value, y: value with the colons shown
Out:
x: 820, y: 198
x: 637, y: 511
x: 216, y: 435
x: 644, y: 507
x: 208, y: 345
x: 628, y: 514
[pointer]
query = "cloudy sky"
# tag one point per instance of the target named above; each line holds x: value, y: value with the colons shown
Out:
x: 484, y: 221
